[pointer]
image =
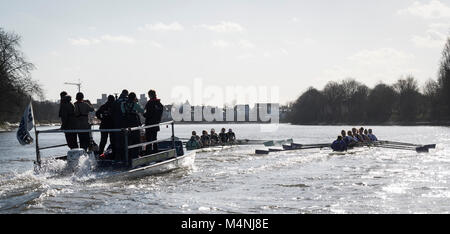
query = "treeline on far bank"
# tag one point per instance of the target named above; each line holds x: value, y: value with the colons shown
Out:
x: 351, y: 102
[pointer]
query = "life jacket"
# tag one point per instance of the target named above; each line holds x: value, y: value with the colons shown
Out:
x: 131, y: 116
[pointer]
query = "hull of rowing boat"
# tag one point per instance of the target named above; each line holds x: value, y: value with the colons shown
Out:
x: 212, y: 149
x: 184, y: 161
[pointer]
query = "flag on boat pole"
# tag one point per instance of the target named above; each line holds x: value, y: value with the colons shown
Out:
x: 26, y: 124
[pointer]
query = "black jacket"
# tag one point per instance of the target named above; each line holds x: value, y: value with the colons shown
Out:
x: 153, y: 113
x: 104, y: 113
x: 117, y: 115
x: 67, y: 114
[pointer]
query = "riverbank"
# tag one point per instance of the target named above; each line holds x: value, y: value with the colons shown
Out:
x: 391, y: 123
x: 10, y: 127
x: 437, y: 124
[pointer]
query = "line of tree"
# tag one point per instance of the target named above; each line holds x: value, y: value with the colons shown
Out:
x: 16, y: 84
x: 352, y: 102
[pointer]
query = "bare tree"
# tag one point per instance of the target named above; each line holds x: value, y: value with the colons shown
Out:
x: 380, y: 104
x: 16, y: 84
x: 444, y: 77
x: 409, y: 98
x: 433, y: 105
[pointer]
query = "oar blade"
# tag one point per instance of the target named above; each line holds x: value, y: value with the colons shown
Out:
x: 261, y: 152
x: 422, y: 149
x: 287, y: 147
x: 296, y: 146
x: 275, y: 150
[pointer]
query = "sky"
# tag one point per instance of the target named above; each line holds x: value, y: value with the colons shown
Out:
x: 215, y: 52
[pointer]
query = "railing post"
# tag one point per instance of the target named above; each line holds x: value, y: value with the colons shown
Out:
x: 125, y: 136
x: 173, y: 138
x: 38, y: 153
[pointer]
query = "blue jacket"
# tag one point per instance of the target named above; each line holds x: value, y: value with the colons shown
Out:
x: 372, y: 137
x: 349, y: 140
x: 339, y: 145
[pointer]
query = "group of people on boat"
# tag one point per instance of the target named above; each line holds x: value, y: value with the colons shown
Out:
x: 212, y: 139
x: 353, y: 138
x: 117, y: 113
x: 75, y: 116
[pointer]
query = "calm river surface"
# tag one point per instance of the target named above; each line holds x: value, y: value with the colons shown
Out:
x: 235, y: 180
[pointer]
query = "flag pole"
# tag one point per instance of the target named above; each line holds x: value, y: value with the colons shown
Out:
x: 32, y: 113
x: 38, y: 154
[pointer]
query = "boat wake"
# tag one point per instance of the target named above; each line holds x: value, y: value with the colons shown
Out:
x: 83, y: 171
x: 22, y: 192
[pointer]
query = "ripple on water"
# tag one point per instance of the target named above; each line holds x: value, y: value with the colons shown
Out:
x: 234, y: 180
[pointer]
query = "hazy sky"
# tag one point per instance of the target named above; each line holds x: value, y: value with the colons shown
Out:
x: 292, y: 45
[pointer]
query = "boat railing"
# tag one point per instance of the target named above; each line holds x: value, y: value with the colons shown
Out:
x: 125, y: 131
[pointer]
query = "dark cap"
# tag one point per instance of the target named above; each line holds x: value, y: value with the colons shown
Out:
x: 79, y: 96
x: 111, y: 98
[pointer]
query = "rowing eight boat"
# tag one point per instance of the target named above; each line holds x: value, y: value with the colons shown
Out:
x: 242, y: 142
x: 381, y: 144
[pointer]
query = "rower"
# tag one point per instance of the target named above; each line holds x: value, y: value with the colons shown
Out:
x: 231, y: 136
x: 349, y: 140
x: 194, y: 142
x: 214, y: 137
x: 350, y: 133
x: 343, y: 134
x: 366, y: 137
x: 205, y: 139
x: 358, y: 135
x: 339, y: 145
x: 223, y: 136
x: 372, y: 136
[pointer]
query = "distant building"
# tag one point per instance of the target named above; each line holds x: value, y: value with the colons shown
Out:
x: 142, y: 100
x: 102, y: 100
x: 167, y: 113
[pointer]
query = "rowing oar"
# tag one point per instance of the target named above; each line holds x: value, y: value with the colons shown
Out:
x: 277, y: 142
x: 404, y: 146
x: 293, y: 147
x: 420, y: 149
x: 430, y: 146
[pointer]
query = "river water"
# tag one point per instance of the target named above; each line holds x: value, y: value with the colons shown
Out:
x: 235, y: 180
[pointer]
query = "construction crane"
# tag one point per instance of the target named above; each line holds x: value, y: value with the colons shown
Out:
x: 77, y: 84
